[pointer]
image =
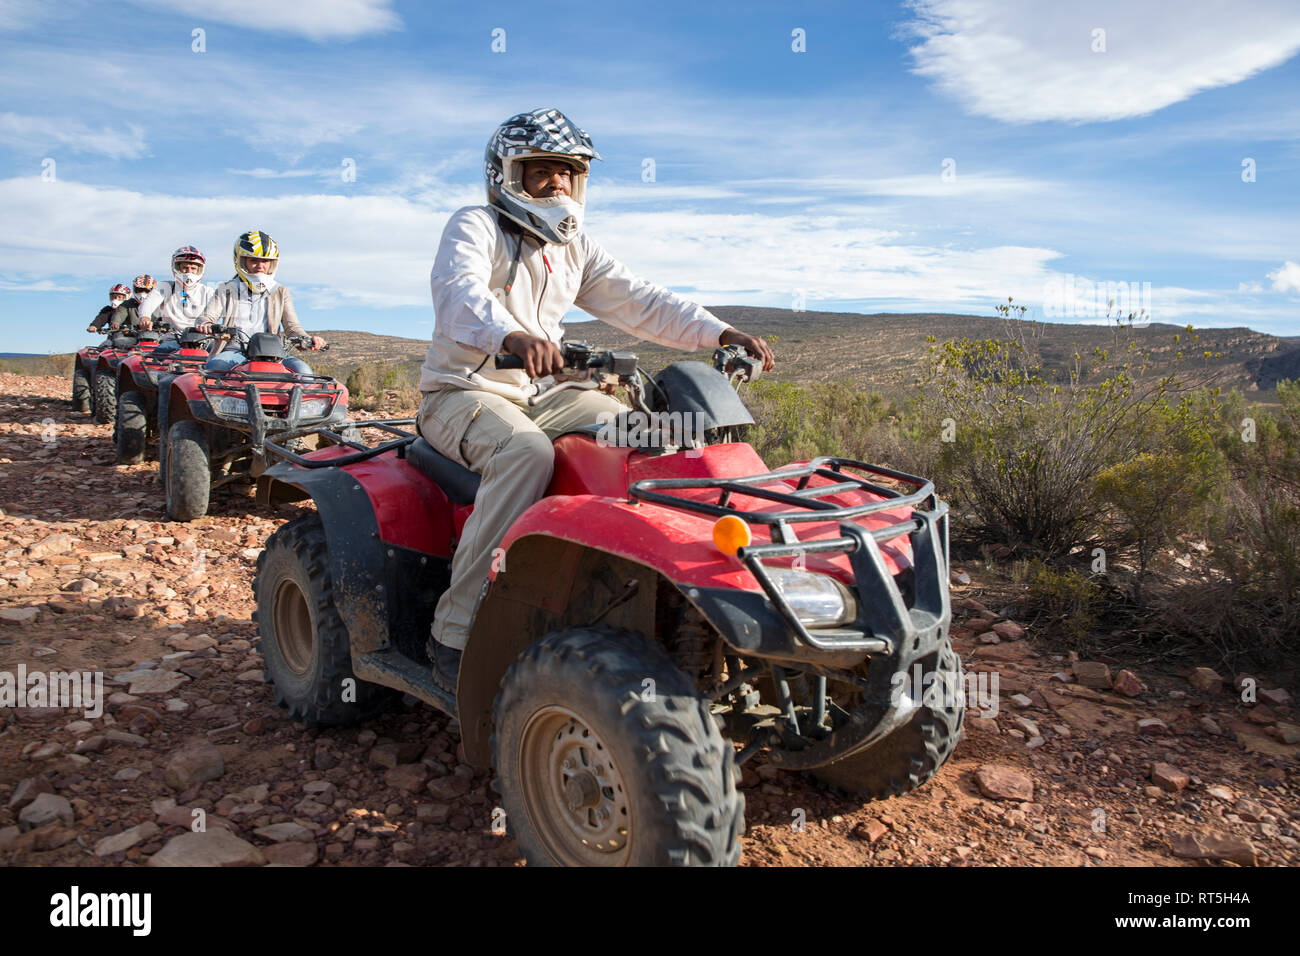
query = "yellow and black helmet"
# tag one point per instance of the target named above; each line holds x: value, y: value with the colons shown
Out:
x: 255, y: 245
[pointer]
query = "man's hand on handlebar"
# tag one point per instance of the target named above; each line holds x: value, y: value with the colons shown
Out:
x: 204, y: 327
x: 317, y: 342
x: 540, y: 356
x: 752, y: 344
x: 146, y: 323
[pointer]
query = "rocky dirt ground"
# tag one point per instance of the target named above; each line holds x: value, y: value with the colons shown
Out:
x: 1083, y: 764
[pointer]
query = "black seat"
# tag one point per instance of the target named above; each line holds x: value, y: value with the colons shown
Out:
x: 265, y: 347
x: 459, y: 483
x: 191, y: 337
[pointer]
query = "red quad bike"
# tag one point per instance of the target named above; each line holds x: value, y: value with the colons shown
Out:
x: 94, y: 375
x: 218, y: 422
x: 144, y: 386
x: 660, y: 596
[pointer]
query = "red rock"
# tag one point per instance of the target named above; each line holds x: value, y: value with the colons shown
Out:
x: 1127, y: 683
x: 1009, y: 630
x: 1092, y: 674
x: 1213, y: 845
x: 1206, y: 679
x: 1004, y: 783
x: 1169, y: 778
x: 871, y: 830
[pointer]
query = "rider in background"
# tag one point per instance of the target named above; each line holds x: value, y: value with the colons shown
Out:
x: 116, y: 296
x: 252, y: 301
x: 126, y: 317
x: 179, y: 303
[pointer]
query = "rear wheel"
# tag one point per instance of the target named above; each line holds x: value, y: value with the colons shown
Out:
x: 105, y: 396
x: 909, y: 756
x: 304, y: 640
x: 189, y: 471
x: 132, y: 428
x: 605, y: 755
x: 81, y: 389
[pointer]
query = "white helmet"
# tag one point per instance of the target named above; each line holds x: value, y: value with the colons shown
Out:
x: 540, y: 134
x: 187, y: 255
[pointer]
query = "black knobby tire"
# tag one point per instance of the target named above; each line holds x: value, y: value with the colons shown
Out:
x: 105, y: 396
x: 911, y: 755
x: 304, y: 640
x: 81, y: 390
x: 188, y: 484
x: 132, y: 428
x: 164, y: 393
x: 653, y: 759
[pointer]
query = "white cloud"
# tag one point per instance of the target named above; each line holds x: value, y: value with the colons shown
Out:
x: 1250, y: 288
x: 318, y: 20
x: 1286, y: 278
x: 375, y: 251
x: 45, y: 134
x: 1026, y: 61
x: 262, y: 172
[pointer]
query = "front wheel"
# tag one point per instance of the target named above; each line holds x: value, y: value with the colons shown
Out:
x: 81, y: 390
x: 908, y: 757
x: 189, y: 471
x: 605, y: 755
x: 304, y: 641
x: 105, y: 396
x: 132, y: 428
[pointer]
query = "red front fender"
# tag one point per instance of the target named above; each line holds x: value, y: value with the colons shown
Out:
x: 677, y: 543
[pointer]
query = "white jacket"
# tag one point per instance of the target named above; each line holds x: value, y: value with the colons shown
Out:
x: 172, y: 302
x: 474, y: 312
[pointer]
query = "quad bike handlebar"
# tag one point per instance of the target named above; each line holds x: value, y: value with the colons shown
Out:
x: 586, y: 367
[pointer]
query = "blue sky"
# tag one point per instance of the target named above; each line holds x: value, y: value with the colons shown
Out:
x: 937, y: 155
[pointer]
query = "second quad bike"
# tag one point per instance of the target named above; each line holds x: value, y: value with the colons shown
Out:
x: 144, y: 386
x: 94, y: 372
x: 218, y: 422
x: 669, y: 599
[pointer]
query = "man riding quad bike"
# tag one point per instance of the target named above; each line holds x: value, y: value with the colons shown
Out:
x: 84, y: 366
x: 667, y: 590
x: 125, y: 337
x: 218, y: 420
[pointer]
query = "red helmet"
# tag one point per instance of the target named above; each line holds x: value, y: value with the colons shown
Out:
x: 121, y: 290
x: 144, y: 283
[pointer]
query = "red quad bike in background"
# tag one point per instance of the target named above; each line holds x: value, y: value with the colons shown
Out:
x: 218, y: 422
x: 143, y: 387
x: 659, y: 596
x: 94, y: 374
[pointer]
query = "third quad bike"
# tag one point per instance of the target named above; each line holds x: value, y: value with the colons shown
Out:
x: 218, y: 422
x: 94, y: 373
x: 144, y: 386
x: 668, y: 590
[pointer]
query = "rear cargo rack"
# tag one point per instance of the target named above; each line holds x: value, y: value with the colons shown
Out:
x: 391, y: 425
x: 883, y: 620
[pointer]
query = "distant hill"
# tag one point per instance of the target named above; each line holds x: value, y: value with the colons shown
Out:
x: 884, y: 351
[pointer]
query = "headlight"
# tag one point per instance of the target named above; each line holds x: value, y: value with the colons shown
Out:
x: 817, y: 600
x: 316, y: 408
x: 231, y: 405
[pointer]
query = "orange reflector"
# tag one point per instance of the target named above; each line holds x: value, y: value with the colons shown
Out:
x: 730, y: 534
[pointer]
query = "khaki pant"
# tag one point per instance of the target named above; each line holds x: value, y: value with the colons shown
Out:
x: 509, y: 445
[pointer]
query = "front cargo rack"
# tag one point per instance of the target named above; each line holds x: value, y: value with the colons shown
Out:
x: 882, y: 620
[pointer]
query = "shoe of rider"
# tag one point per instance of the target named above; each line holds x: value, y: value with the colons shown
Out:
x: 126, y: 317
x: 180, y: 302
x: 253, y: 300
x: 116, y: 296
x: 504, y: 276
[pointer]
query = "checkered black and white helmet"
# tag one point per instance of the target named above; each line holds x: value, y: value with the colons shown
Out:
x: 540, y: 134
